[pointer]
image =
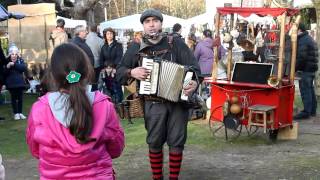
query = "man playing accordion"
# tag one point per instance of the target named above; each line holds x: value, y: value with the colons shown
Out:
x: 165, y: 121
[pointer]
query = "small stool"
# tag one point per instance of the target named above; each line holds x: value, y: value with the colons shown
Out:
x: 257, y: 109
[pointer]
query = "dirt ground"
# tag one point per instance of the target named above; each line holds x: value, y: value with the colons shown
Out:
x: 294, y: 159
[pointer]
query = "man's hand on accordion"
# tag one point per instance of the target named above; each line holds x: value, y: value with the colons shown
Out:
x: 140, y: 73
x: 190, y: 88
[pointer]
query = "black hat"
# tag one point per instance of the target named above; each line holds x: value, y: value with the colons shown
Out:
x: 151, y: 13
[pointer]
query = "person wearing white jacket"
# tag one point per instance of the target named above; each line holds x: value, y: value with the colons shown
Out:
x: 1, y: 169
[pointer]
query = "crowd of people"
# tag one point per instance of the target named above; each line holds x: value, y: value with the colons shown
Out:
x: 77, y: 114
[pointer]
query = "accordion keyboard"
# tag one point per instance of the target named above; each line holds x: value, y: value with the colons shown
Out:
x: 149, y: 85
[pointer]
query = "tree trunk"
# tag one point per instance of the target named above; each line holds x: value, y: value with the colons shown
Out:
x: 81, y: 7
x: 116, y: 6
x: 317, y: 80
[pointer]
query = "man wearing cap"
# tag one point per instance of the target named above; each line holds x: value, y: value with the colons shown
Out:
x: 306, y: 66
x: 164, y: 121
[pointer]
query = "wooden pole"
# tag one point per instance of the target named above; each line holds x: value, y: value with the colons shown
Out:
x: 229, y: 62
x: 215, y: 49
x: 294, y: 37
x: 281, y: 48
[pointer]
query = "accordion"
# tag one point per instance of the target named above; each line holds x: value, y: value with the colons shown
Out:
x: 166, y: 80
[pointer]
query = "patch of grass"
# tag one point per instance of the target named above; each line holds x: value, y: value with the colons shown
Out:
x: 200, y: 135
x: 12, y: 133
x: 135, y: 134
x: 306, y: 161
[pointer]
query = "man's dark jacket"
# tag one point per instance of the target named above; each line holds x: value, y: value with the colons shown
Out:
x: 180, y: 52
x: 82, y: 44
x: 111, y: 54
x: 307, y: 53
x: 2, y: 63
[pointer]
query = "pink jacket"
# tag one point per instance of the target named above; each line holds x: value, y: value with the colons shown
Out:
x: 59, y: 154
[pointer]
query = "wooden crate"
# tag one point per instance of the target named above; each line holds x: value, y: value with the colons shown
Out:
x: 289, y: 133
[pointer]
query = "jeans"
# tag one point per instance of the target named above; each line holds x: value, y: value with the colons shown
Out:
x: 16, y: 99
x: 308, y: 93
x: 118, y: 94
x: 96, y: 80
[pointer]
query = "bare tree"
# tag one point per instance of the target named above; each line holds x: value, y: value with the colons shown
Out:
x: 116, y: 6
x: 93, y: 11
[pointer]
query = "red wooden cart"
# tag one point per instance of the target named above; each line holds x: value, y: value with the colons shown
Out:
x: 269, y: 106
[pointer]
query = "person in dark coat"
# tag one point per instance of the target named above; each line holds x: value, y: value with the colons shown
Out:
x: 2, y: 61
x: 176, y: 31
x: 80, y: 33
x: 306, y: 66
x: 165, y: 121
x: 14, y: 80
x: 111, y: 54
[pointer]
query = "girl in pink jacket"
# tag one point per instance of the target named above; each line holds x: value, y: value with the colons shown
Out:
x: 74, y: 133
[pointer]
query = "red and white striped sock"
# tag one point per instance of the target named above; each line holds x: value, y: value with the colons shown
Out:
x: 175, y: 160
x: 156, y: 162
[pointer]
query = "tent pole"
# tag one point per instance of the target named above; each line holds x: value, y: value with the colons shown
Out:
x: 229, y: 63
x: 294, y: 37
x: 281, y: 48
x: 46, y: 38
x: 215, y: 49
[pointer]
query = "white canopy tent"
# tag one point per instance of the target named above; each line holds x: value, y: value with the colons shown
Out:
x: 133, y: 22
x: 299, y: 3
x: 71, y: 23
x: 205, y: 18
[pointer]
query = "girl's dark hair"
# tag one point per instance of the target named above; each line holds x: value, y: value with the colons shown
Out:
x: 66, y: 58
x: 207, y: 33
x: 110, y: 30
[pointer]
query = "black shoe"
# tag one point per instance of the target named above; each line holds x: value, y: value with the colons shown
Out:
x: 2, y: 118
x: 301, y: 115
x: 313, y: 114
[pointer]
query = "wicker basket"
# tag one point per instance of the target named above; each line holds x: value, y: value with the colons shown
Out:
x: 132, y: 107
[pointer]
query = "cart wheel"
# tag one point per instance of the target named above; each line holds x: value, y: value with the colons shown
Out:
x: 252, y: 130
x: 220, y: 131
x: 273, y: 134
x: 217, y: 128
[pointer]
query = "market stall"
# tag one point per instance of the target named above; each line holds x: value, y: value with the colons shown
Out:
x: 254, y: 95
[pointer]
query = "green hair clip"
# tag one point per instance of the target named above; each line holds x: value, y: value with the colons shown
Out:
x: 73, y: 77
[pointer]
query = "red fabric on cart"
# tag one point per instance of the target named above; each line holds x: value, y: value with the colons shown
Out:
x: 245, y: 12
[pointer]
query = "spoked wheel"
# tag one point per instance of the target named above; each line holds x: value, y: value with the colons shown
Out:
x: 226, y: 129
x: 252, y: 130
